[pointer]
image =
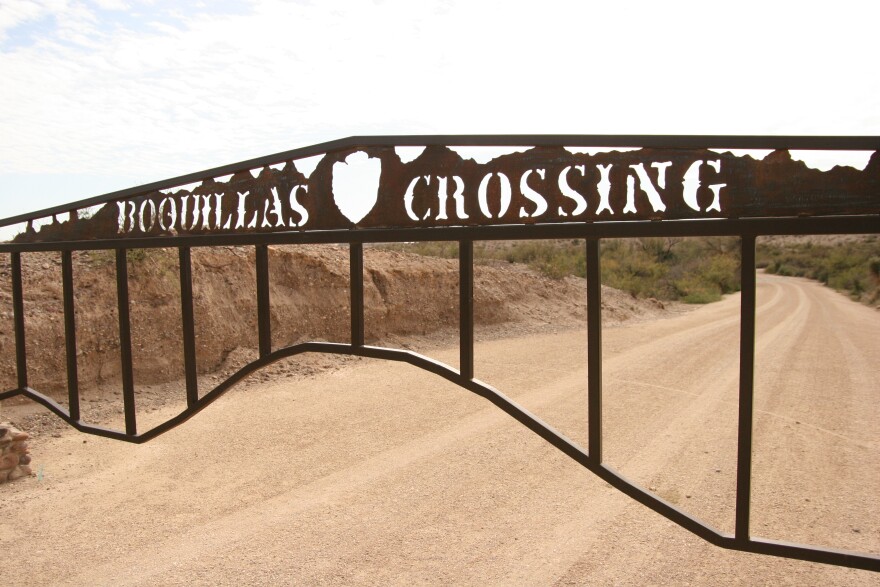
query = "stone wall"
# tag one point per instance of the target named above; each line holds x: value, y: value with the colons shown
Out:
x: 14, y: 458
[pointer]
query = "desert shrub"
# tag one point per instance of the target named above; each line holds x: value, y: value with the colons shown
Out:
x: 874, y: 267
x: 696, y: 270
x: 442, y: 249
x: 850, y: 266
x: 555, y: 259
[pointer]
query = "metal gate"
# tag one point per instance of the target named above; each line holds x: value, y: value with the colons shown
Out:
x: 362, y: 191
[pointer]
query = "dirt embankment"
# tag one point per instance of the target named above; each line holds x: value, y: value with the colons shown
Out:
x: 405, y: 295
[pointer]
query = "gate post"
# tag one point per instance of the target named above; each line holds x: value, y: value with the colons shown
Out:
x: 18, y: 312
x: 466, y: 307
x: 124, y: 306
x: 594, y: 351
x: 70, y: 335
x: 356, y: 279
x: 189, y: 329
x: 746, y: 388
x: 264, y: 322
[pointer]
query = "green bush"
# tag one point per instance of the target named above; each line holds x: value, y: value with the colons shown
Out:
x: 697, y: 270
x: 851, y: 266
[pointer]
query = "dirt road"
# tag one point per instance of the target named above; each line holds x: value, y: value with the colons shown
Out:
x: 379, y: 474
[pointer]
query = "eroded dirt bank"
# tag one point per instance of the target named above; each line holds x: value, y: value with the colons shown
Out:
x: 404, y: 295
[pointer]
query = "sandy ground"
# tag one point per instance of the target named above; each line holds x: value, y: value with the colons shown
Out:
x: 380, y: 474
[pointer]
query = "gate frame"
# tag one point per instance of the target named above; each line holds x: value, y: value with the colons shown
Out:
x: 747, y: 229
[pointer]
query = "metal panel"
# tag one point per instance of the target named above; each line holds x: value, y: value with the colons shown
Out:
x: 543, y: 185
x: 829, y: 143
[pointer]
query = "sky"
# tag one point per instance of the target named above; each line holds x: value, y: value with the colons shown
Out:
x: 102, y: 95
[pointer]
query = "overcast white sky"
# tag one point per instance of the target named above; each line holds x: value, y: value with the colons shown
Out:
x: 107, y: 94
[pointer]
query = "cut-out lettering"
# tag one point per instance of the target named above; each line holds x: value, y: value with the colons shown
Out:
x: 127, y: 210
x: 298, y: 208
x: 570, y: 193
x: 604, y: 188
x: 483, y: 194
x: 184, y: 208
x: 147, y: 216
x: 168, y: 215
x: 537, y: 199
x: 389, y: 187
x: 409, y: 196
x: 647, y: 186
x: 691, y: 185
x: 716, y: 188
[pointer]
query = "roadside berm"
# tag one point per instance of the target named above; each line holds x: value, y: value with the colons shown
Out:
x: 405, y: 295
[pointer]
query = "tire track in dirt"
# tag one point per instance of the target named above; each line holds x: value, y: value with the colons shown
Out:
x: 379, y: 474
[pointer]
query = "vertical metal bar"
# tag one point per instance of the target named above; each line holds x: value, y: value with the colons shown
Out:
x: 188, y: 326
x: 70, y: 335
x: 466, y: 307
x: 594, y: 350
x: 264, y: 322
x: 125, y: 341
x: 356, y: 280
x: 18, y: 312
x: 746, y: 389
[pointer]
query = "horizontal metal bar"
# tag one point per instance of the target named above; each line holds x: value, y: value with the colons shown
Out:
x: 715, y: 227
x: 827, y: 142
x: 830, y: 143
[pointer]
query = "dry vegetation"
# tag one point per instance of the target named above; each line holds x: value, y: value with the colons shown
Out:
x: 849, y: 265
x: 692, y: 270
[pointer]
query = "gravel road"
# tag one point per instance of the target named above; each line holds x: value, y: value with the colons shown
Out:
x: 380, y: 474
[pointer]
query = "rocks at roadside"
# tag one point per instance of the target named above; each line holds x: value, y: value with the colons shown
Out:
x: 14, y: 455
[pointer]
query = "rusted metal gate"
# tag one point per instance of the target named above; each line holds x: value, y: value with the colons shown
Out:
x: 361, y: 191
